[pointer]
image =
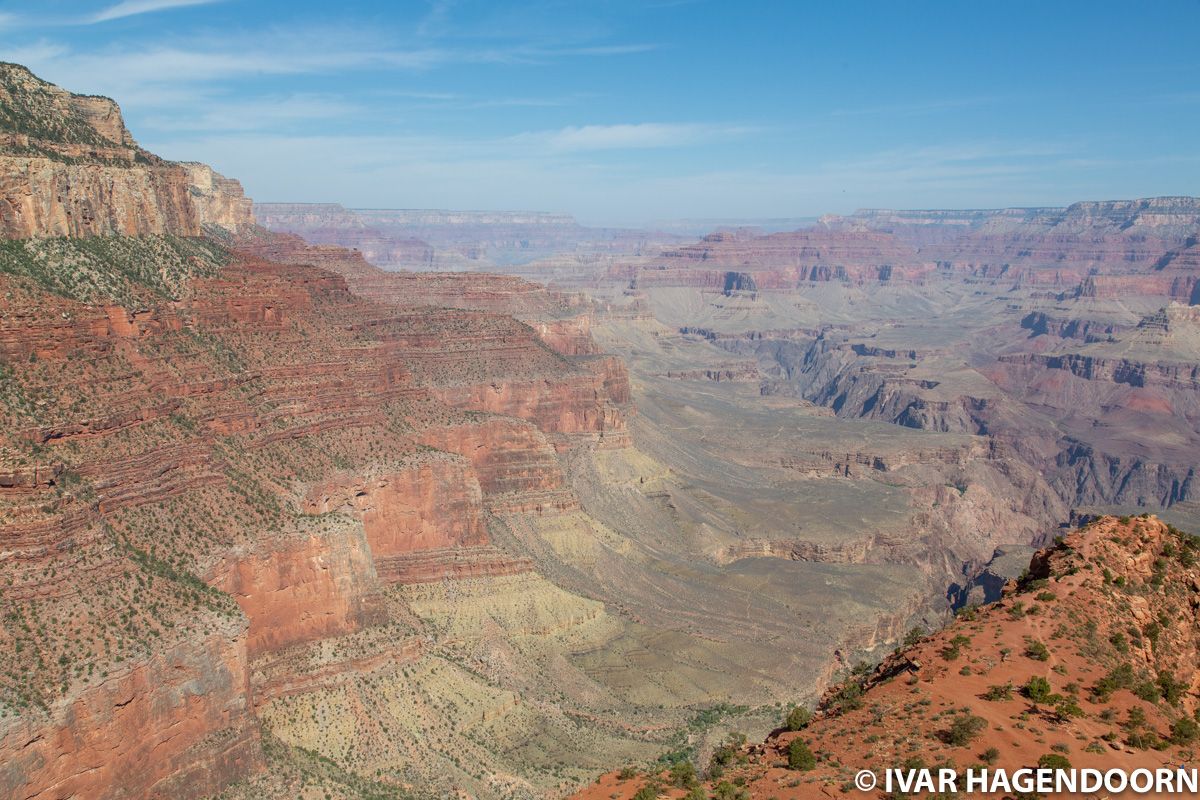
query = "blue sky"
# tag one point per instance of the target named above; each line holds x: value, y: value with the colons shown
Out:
x: 622, y: 112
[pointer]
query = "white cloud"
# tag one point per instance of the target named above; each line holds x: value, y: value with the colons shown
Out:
x: 260, y: 113
x: 125, y: 71
x: 629, y: 136
x: 129, y: 8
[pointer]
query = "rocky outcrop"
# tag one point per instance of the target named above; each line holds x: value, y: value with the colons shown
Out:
x: 1123, y: 371
x: 587, y: 405
x: 220, y: 202
x: 1120, y: 695
x: 47, y: 197
x: 174, y: 724
x: 301, y: 589
x: 69, y: 167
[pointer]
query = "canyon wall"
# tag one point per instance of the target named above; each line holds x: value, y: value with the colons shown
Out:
x: 69, y: 167
x: 216, y: 470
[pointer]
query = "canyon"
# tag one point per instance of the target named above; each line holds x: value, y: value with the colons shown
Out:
x: 278, y: 523
x: 305, y: 501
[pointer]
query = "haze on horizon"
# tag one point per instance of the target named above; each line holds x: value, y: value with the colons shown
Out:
x: 625, y: 112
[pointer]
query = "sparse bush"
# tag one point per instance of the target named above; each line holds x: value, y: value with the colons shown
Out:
x: 1148, y: 691
x: 1037, y: 689
x: 1184, y: 731
x: 800, y: 756
x: 964, y: 729
x: 1054, y: 761
x: 727, y: 791
x: 1037, y: 651
x: 913, y: 636
x: 998, y: 693
x: 1145, y: 740
x: 683, y: 775
x: 1119, y: 677
x: 648, y: 792
x: 1067, y: 707
x: 798, y: 718
x: 847, y: 697
x: 1170, y: 689
x: 953, y: 649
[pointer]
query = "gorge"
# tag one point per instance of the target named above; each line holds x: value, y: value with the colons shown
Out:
x: 536, y: 500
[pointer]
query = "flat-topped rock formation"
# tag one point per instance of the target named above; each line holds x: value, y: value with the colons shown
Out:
x: 1089, y: 248
x: 446, y: 239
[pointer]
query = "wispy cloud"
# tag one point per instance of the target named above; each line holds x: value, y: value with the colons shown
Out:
x: 130, y: 8
x: 437, y: 20
x: 126, y: 70
x: 630, y: 136
x: 259, y: 113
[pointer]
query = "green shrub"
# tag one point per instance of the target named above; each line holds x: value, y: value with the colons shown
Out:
x: 1184, y: 731
x: 1054, y: 761
x: 1119, y: 677
x: 683, y: 774
x: 798, y: 718
x: 1000, y: 692
x: 1171, y: 689
x: 1145, y: 740
x: 1148, y: 691
x: 727, y: 791
x: 847, y: 697
x: 1038, y: 689
x: 964, y: 729
x: 953, y: 649
x: 1037, y: 651
x: 800, y: 756
x: 1067, y: 707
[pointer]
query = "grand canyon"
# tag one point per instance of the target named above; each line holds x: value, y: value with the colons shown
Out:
x: 307, y: 501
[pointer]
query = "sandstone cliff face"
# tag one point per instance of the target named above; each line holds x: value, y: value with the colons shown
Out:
x: 45, y: 197
x: 301, y: 589
x: 219, y: 201
x: 215, y: 468
x: 174, y: 724
x: 69, y: 167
